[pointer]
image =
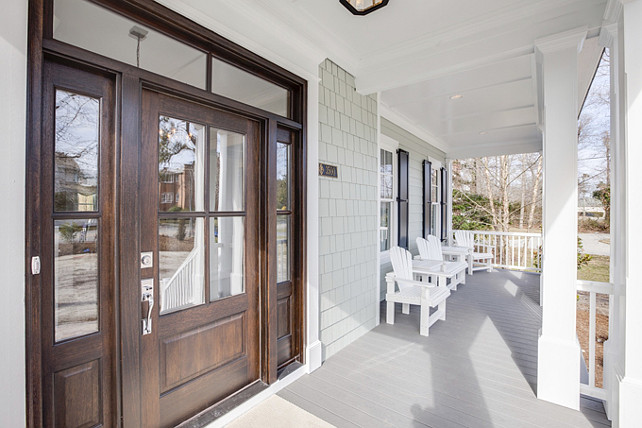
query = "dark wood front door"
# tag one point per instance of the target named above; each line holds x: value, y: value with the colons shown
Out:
x: 77, y: 261
x: 200, y: 187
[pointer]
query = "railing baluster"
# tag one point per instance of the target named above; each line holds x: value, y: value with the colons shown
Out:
x: 593, y: 288
x: 592, y: 309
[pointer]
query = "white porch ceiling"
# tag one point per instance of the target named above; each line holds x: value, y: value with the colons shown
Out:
x: 418, y: 54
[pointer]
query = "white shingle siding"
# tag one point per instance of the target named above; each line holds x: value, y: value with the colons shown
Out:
x: 347, y: 209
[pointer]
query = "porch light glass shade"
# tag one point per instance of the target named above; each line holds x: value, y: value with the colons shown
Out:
x: 363, y: 7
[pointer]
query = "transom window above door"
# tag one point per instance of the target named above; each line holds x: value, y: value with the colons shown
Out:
x: 94, y: 28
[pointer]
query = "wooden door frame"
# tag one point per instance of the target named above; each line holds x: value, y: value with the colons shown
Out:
x: 129, y: 83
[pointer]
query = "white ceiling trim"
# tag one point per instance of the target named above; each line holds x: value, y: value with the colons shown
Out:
x: 403, y: 122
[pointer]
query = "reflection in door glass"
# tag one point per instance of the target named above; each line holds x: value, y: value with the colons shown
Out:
x: 282, y: 176
x: 181, y: 263
x: 282, y: 248
x: 227, y: 170
x: 76, y: 145
x: 181, y: 165
x: 227, y: 257
x: 75, y: 278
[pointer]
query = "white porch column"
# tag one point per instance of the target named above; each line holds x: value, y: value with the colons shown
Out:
x: 630, y: 380
x: 558, y: 365
x: 313, y: 356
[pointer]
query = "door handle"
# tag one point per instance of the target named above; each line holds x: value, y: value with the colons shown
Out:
x: 147, y: 297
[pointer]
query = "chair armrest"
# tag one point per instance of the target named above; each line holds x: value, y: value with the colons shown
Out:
x: 413, y: 282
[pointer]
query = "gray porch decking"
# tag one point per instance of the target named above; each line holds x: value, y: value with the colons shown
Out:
x: 476, y: 369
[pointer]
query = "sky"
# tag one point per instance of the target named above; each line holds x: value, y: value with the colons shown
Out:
x: 595, y: 117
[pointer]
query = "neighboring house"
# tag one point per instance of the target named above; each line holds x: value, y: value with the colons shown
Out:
x: 590, y: 208
x: 318, y: 140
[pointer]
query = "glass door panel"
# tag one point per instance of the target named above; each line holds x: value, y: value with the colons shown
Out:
x: 181, y: 165
x: 181, y: 250
x: 227, y: 257
x: 76, y: 152
x: 227, y: 170
x: 76, y: 278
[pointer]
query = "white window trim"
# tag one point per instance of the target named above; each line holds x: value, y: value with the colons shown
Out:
x: 390, y: 145
x: 436, y: 165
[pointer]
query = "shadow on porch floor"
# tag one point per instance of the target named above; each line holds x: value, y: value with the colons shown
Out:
x: 476, y: 369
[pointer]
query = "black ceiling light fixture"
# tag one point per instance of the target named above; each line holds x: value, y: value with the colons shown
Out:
x: 363, y: 7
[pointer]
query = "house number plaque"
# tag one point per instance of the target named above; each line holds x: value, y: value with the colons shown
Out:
x: 326, y: 170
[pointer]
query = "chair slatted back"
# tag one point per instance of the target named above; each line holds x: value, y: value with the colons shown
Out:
x: 401, y: 263
x: 464, y: 238
x: 429, y: 248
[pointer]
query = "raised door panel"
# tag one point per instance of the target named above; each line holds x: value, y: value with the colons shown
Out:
x: 187, y: 355
x: 77, y: 392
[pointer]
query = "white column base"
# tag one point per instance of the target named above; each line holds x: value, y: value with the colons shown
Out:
x: 630, y: 402
x: 558, y: 371
x: 314, y: 356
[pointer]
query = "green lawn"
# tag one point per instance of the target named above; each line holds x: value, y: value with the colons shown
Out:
x: 597, y: 269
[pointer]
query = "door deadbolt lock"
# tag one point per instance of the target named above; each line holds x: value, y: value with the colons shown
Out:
x: 146, y: 260
x: 147, y: 300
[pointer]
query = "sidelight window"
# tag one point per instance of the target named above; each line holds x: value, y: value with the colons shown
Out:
x: 76, y: 145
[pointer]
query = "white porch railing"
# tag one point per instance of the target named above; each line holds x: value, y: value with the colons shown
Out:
x: 513, y: 250
x: 593, y: 288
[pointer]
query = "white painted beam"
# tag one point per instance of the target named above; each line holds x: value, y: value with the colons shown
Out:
x: 558, y: 365
x: 513, y: 147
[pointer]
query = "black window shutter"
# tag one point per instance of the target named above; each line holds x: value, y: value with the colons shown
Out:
x: 444, y: 203
x: 427, y: 197
x: 402, y: 199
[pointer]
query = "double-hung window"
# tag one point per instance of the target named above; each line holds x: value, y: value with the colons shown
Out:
x: 387, y: 194
x: 435, y: 209
x: 434, y: 201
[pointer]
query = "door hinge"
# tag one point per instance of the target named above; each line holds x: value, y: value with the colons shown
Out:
x: 35, y: 265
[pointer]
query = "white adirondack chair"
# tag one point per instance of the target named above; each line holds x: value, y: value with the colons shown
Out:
x: 410, y: 292
x: 481, y: 260
x: 430, y: 249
